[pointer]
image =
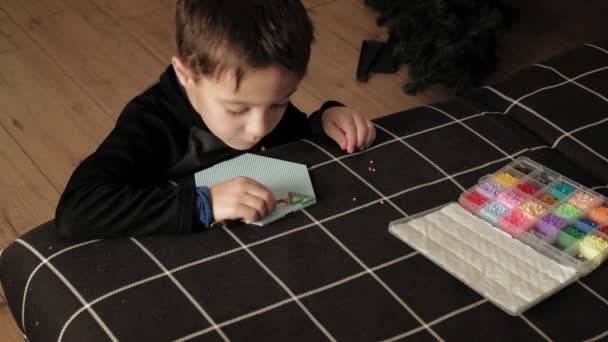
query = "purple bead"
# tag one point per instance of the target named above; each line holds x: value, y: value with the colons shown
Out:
x: 550, y: 224
x: 489, y: 189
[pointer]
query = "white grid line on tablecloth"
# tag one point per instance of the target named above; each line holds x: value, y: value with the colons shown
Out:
x: 556, y: 85
x: 470, y: 129
x: 108, y: 295
x: 573, y: 80
x: 70, y: 287
x: 597, y: 47
x: 147, y: 280
x: 593, y: 292
x: 593, y: 124
x: 281, y: 283
x: 598, y: 337
x: 300, y: 296
x: 277, y: 236
x: 459, y: 311
x: 375, y: 276
x: 439, y: 320
x: 31, y: 276
x: 181, y: 288
x: 382, y: 283
x: 423, y: 157
x: 235, y: 320
x: 533, y: 112
x: 533, y: 326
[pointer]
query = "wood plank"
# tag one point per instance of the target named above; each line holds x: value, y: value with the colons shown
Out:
x: 354, y: 22
x: 306, y: 101
x: 28, y: 199
x: 134, y: 8
x: 155, y: 30
x: 8, y: 327
x: 2, y: 295
x: 103, y: 59
x: 47, y: 114
x: 7, y: 232
x: 332, y: 74
x: 351, y: 20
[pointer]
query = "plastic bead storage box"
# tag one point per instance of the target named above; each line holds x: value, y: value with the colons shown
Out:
x: 516, y: 237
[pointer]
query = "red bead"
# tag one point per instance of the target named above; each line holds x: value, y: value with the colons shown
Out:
x: 476, y: 198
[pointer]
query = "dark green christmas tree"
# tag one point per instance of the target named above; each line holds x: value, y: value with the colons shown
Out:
x: 451, y: 42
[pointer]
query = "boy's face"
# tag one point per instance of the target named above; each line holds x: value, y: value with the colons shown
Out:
x: 240, y: 117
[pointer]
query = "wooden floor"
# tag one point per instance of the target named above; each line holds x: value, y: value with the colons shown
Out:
x: 67, y: 68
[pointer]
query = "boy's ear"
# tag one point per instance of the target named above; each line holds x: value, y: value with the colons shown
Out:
x: 183, y: 73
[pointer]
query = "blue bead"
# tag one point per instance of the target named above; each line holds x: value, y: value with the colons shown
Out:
x: 585, y: 225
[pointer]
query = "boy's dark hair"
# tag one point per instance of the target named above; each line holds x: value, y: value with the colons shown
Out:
x: 215, y: 36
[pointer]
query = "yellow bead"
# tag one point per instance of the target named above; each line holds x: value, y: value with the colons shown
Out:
x: 591, y: 246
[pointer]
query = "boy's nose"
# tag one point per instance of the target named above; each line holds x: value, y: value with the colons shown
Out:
x: 256, y: 127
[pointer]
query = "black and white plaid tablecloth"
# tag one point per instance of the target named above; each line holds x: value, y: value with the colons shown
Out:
x: 333, y: 271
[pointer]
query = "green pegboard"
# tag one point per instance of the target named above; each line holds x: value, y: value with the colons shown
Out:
x: 286, y: 180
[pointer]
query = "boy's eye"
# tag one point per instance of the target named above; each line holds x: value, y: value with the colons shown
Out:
x: 236, y: 110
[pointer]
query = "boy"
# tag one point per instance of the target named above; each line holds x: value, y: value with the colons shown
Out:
x: 228, y: 90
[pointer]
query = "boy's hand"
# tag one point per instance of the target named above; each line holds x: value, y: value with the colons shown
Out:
x: 351, y: 130
x: 241, y: 198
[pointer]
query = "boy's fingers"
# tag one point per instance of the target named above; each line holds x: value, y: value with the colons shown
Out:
x: 371, y: 136
x: 350, y: 129
x: 263, y: 193
x: 248, y: 214
x: 362, y: 130
x: 336, y: 134
x: 249, y: 201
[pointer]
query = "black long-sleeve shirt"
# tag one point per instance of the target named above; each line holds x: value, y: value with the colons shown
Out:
x: 140, y: 179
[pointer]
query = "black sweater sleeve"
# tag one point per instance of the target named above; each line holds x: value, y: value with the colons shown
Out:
x: 122, y: 189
